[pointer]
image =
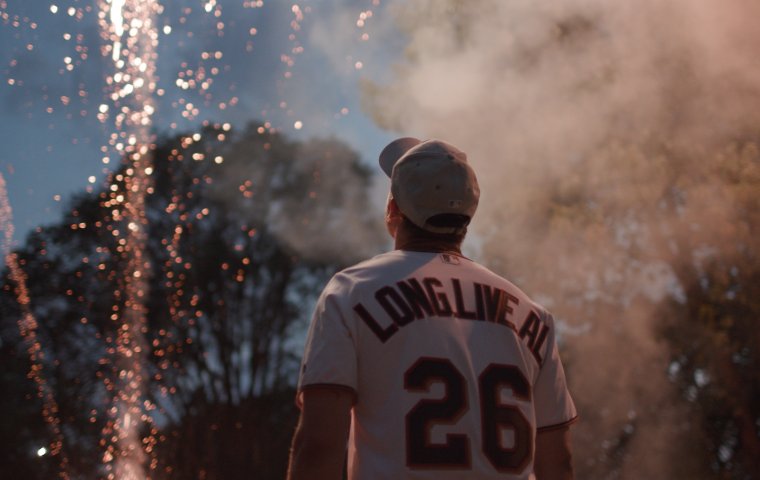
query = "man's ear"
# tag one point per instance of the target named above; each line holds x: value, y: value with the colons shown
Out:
x: 393, y: 216
x: 392, y: 206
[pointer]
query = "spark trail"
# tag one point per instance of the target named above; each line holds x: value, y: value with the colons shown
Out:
x: 129, y: 28
x: 27, y: 325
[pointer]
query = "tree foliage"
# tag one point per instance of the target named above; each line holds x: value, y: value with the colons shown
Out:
x: 618, y: 152
x: 238, y: 245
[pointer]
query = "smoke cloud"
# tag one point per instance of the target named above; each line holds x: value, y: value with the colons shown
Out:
x: 602, y: 134
x: 312, y: 195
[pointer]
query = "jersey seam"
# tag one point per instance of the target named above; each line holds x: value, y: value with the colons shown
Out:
x: 329, y: 386
x: 558, y: 425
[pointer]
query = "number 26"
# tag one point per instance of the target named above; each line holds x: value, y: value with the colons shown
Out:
x: 455, y: 452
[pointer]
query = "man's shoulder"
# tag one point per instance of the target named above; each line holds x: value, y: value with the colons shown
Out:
x: 387, y: 261
x: 507, y: 285
x: 387, y: 266
x: 369, y: 265
x: 486, y: 273
x: 402, y: 264
x: 362, y: 271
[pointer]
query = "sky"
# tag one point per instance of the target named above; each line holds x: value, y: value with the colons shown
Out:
x: 616, y: 149
x: 297, y: 66
x: 582, y: 118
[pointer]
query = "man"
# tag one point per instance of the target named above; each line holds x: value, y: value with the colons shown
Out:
x: 424, y: 362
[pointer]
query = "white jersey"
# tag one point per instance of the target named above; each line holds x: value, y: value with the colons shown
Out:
x: 453, y: 368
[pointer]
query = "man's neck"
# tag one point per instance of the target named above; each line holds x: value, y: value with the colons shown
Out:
x: 426, y: 245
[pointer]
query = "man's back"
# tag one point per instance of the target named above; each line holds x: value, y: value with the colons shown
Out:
x: 453, y: 367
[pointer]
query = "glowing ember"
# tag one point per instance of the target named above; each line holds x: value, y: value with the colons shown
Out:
x: 130, y: 31
x: 133, y: 35
x: 28, y: 327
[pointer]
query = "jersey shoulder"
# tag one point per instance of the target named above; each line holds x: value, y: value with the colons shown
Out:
x: 508, y: 286
x: 345, y: 281
x: 533, y: 323
x: 388, y: 265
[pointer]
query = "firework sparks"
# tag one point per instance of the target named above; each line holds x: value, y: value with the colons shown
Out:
x: 195, y: 88
x: 361, y: 24
x: 130, y: 29
x: 28, y: 328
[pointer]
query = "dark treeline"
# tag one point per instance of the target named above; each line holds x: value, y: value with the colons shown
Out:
x: 237, y: 251
x: 229, y: 293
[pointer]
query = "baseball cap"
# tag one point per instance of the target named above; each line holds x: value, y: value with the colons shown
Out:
x: 432, y: 183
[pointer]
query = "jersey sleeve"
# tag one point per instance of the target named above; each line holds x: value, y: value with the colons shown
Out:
x: 553, y: 403
x: 329, y: 359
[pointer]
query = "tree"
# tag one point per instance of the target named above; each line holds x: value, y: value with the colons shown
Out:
x: 617, y: 149
x: 238, y: 243
x: 712, y: 331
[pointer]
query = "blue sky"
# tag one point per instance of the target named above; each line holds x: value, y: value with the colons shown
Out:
x: 49, y: 129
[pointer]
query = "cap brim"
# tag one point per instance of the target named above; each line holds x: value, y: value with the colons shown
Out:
x: 395, y: 150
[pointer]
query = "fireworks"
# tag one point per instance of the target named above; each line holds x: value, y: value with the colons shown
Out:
x: 28, y: 328
x: 131, y: 30
x: 125, y: 104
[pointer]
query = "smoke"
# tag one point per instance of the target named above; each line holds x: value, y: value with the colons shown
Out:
x: 601, y: 133
x: 333, y: 222
x: 312, y: 195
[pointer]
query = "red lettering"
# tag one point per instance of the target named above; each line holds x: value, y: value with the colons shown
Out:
x: 394, y: 306
x: 382, y: 333
x: 462, y: 312
x: 416, y: 297
x: 440, y: 300
x: 536, y: 331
